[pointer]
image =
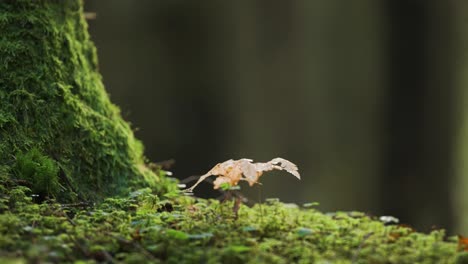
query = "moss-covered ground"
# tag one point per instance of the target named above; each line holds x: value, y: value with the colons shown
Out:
x: 145, y: 228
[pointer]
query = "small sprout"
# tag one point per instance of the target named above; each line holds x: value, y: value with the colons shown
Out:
x: 225, y: 186
x: 232, y: 171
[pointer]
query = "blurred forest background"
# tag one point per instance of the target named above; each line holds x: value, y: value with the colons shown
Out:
x: 367, y: 97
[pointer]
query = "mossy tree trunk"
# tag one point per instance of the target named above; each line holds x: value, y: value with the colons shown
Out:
x: 59, y: 132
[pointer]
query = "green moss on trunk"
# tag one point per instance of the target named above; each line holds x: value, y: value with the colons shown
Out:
x: 54, y: 110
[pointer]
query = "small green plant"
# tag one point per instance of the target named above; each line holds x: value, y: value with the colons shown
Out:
x: 230, y: 172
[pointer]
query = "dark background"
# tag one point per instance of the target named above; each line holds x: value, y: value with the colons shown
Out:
x: 366, y: 97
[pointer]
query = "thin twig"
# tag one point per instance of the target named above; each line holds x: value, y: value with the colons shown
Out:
x: 235, y: 193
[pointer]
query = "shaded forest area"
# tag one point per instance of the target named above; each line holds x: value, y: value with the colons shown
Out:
x: 366, y: 97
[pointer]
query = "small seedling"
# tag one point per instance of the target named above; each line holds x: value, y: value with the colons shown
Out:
x: 230, y: 172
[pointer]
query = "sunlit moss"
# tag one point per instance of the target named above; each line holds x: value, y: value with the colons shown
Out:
x: 55, y: 111
x: 154, y: 229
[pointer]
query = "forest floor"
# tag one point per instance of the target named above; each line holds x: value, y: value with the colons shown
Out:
x: 145, y: 228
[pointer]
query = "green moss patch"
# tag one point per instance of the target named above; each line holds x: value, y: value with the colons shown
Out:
x: 40, y: 171
x: 146, y: 228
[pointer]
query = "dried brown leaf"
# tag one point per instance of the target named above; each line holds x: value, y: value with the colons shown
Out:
x: 233, y: 171
x: 287, y: 166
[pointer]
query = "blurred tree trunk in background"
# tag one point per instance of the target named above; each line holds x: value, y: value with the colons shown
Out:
x: 309, y: 89
x: 166, y: 64
x: 344, y: 70
x: 418, y: 169
x: 360, y: 94
x: 194, y: 38
x: 268, y: 81
x: 460, y: 190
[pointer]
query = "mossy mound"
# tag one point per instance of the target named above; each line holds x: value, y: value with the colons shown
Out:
x: 58, y: 129
x: 145, y: 228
